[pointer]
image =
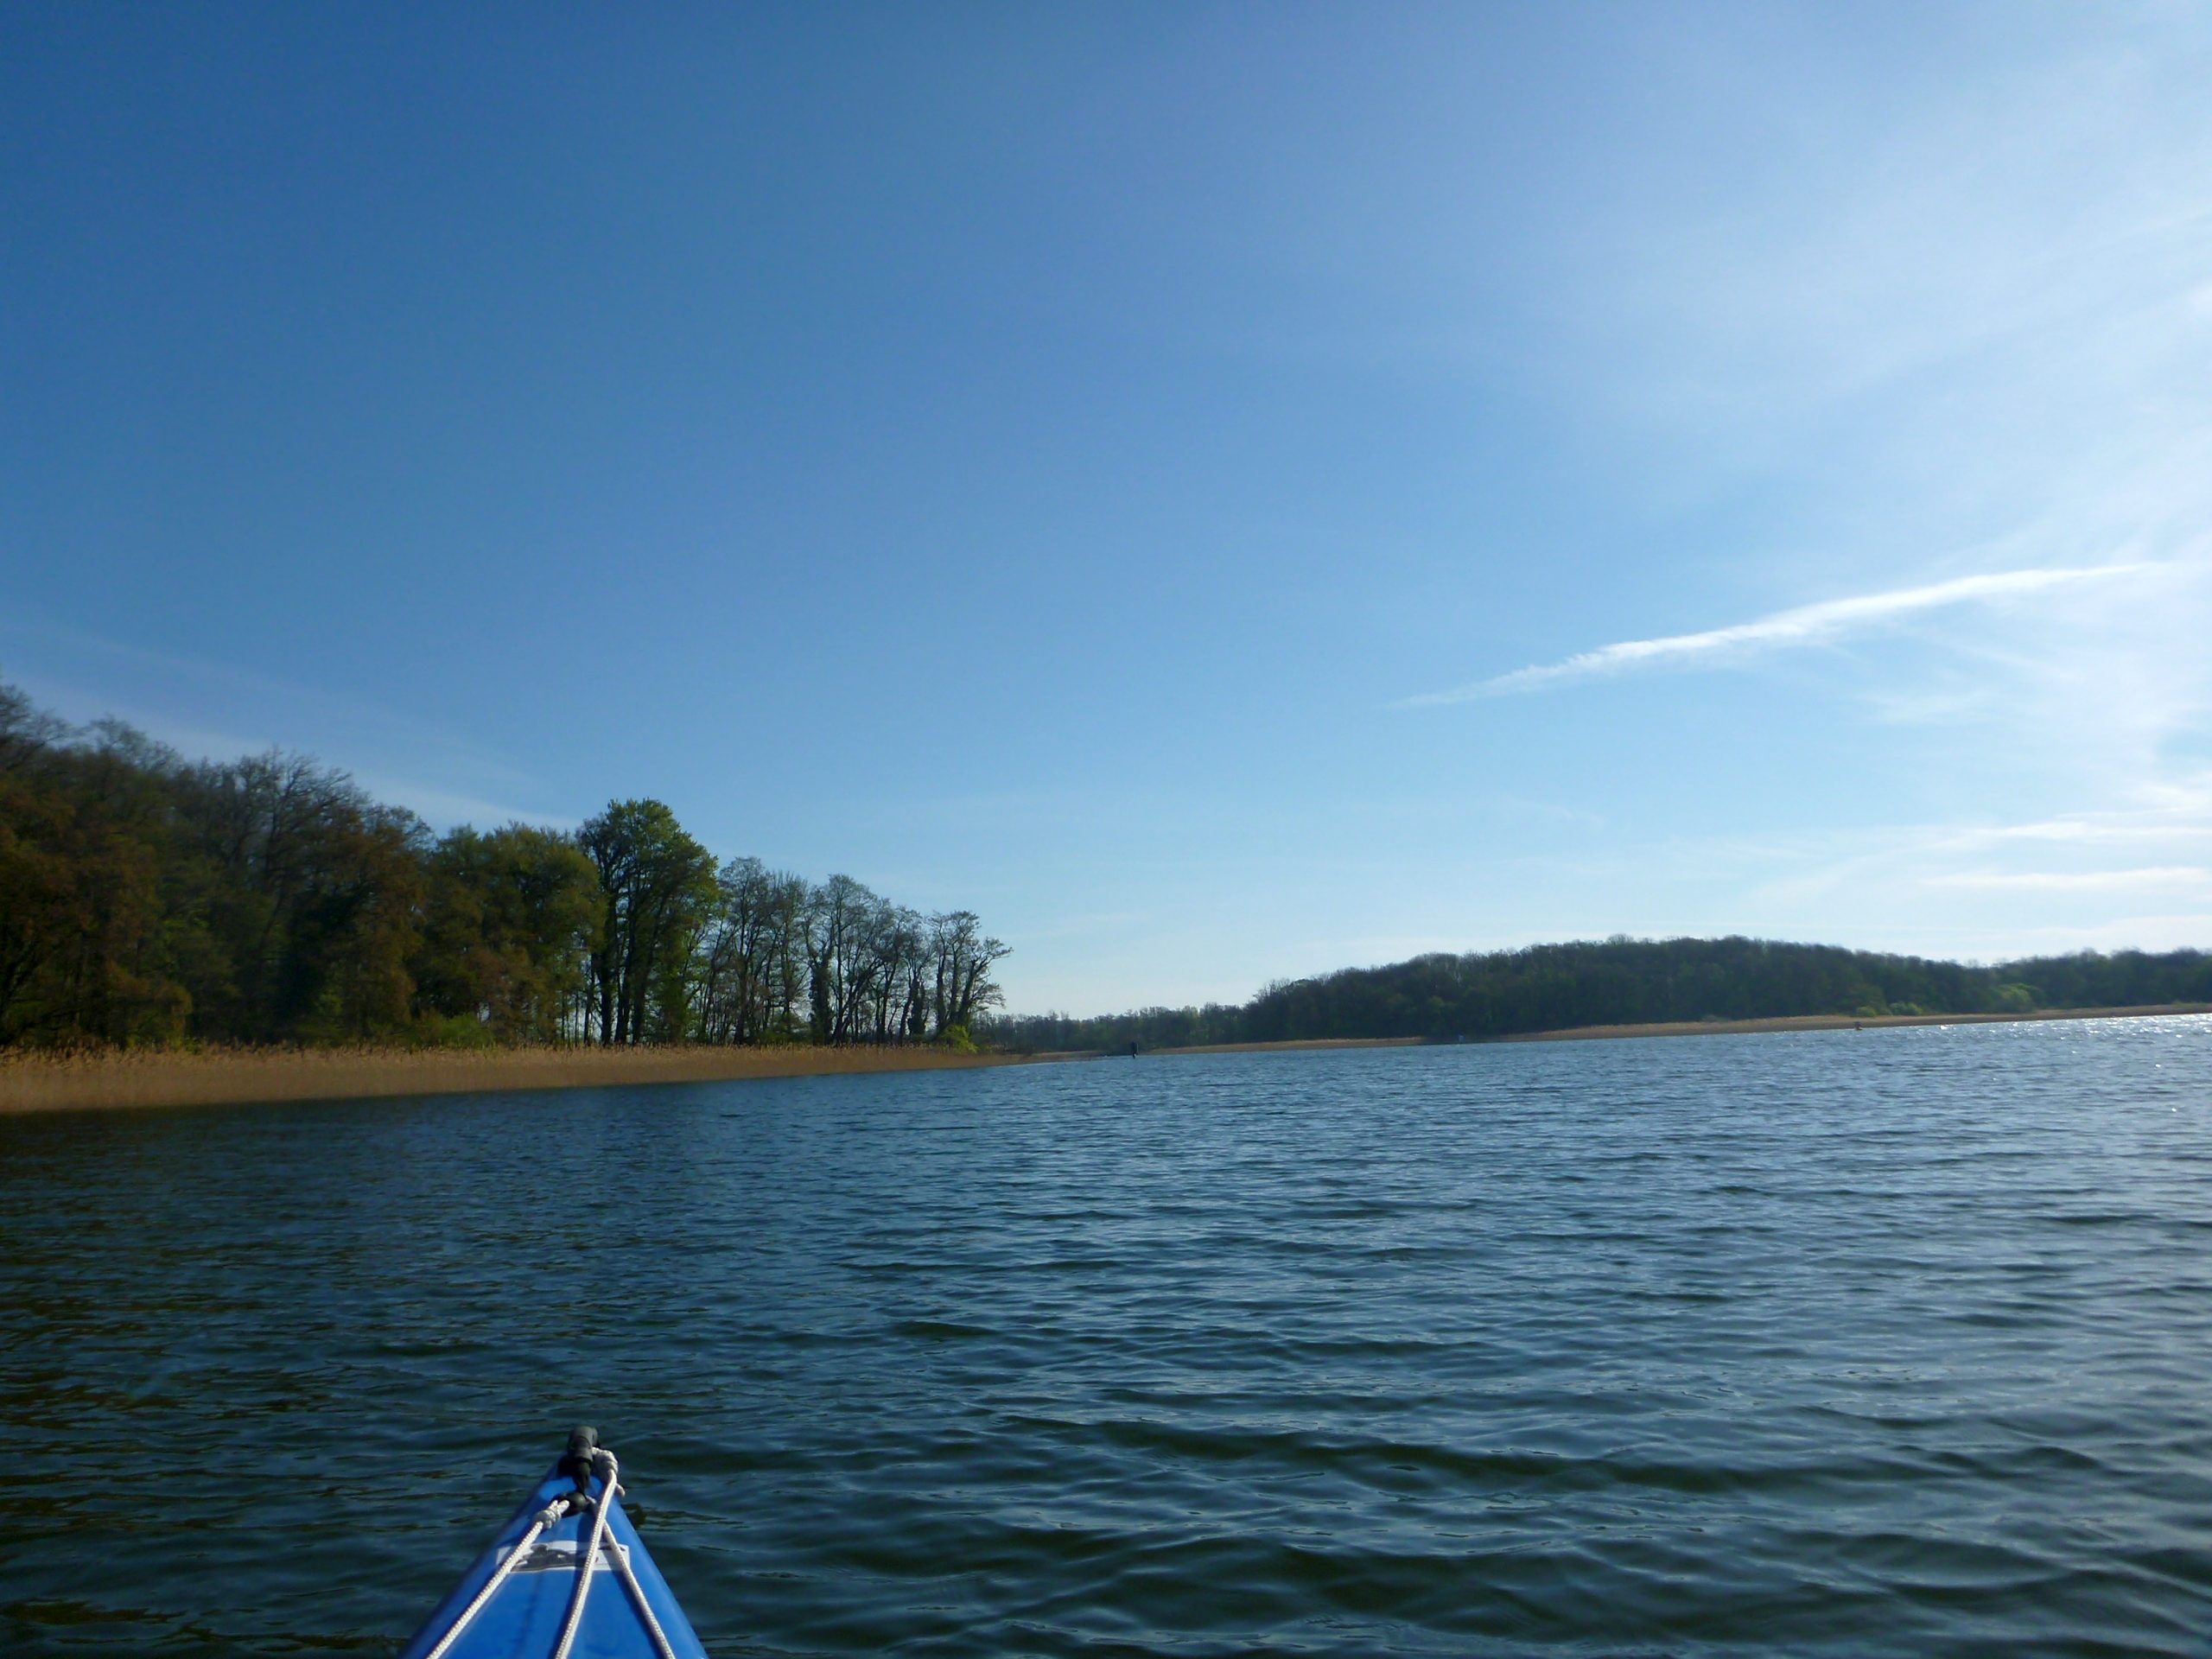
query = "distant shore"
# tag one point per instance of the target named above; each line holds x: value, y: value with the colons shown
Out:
x: 1706, y: 1028
x: 237, y: 1077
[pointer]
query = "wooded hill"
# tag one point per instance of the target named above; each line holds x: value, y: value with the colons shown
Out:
x: 146, y: 899
x: 1628, y: 982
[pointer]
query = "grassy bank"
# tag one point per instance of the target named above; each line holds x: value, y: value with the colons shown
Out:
x: 1715, y: 1028
x: 33, y: 1082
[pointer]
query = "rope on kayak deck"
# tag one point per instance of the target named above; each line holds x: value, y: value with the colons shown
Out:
x: 586, y: 1458
x: 603, y: 1464
x: 602, y: 1461
x: 638, y: 1594
x: 545, y: 1518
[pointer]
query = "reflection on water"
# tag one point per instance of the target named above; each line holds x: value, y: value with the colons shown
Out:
x: 1895, y: 1341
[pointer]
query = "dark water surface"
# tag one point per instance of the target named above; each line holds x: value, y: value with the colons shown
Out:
x: 1897, y: 1342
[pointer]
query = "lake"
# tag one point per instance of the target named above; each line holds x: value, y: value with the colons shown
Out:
x: 1897, y: 1341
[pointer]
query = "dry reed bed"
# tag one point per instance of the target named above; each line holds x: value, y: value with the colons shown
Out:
x: 33, y: 1082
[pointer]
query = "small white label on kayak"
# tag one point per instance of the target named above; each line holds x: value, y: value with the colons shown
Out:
x: 561, y: 1554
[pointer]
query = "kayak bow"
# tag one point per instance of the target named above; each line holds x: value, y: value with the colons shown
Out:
x: 568, y: 1577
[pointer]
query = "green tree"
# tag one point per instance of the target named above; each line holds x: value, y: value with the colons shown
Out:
x: 510, y: 918
x: 147, y: 900
x: 657, y: 890
x: 311, y: 892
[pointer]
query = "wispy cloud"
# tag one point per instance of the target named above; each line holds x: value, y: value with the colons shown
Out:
x: 214, y: 710
x: 2168, y: 822
x: 2162, y: 878
x: 1801, y: 625
x: 446, y: 807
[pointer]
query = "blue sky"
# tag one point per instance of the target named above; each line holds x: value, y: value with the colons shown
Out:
x: 1225, y: 491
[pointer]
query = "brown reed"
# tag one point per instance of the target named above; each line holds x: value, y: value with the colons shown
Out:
x: 33, y: 1082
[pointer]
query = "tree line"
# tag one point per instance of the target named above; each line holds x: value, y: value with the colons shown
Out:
x: 146, y: 899
x: 1628, y: 982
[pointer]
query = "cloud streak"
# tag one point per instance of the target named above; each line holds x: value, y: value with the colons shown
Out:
x: 1801, y: 624
x: 2164, y: 877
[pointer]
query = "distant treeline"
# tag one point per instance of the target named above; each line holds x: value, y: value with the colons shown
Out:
x: 1628, y: 982
x: 149, y: 899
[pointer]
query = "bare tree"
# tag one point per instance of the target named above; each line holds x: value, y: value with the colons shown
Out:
x: 962, y: 958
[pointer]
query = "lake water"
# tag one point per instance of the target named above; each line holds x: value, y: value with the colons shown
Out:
x: 1891, y: 1342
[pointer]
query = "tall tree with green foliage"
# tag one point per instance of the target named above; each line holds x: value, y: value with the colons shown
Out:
x: 312, y: 899
x: 510, y: 917
x: 657, y: 891
x: 85, y: 940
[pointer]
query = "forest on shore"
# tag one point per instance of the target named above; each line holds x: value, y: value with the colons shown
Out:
x: 1622, y: 981
x: 147, y: 901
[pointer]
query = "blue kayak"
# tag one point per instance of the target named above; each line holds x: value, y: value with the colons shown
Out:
x: 568, y: 1577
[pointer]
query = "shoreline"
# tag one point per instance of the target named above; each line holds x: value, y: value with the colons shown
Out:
x: 241, y: 1077
x: 1702, y: 1028
x: 1845, y: 1022
x: 33, y: 1082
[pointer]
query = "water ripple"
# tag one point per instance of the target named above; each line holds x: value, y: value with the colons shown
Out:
x: 1838, y: 1343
